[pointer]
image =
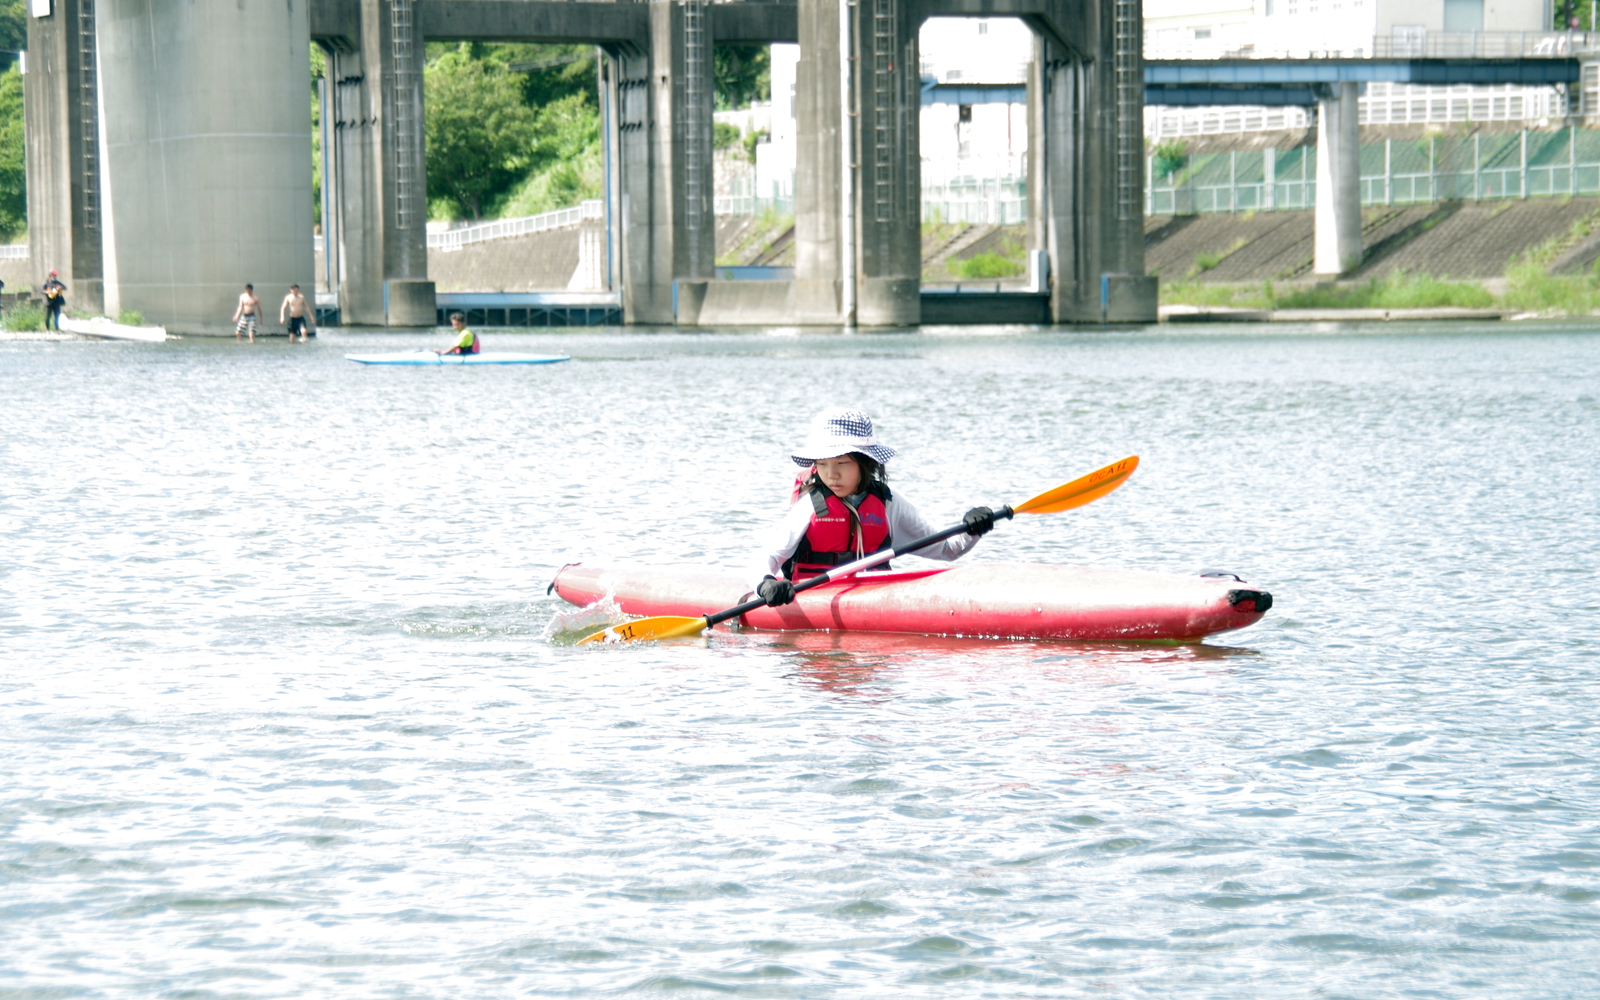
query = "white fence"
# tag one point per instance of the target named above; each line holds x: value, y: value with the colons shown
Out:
x: 749, y: 204
x: 1382, y: 104
x: 14, y: 251
x: 995, y: 201
x: 455, y: 239
x: 1402, y: 43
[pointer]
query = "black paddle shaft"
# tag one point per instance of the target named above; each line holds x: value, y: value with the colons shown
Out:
x: 817, y: 581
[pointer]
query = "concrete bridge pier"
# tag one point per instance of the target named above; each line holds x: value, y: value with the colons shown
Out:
x: 1337, y: 246
x: 184, y: 166
x: 375, y: 226
x: 818, y: 217
x: 1086, y: 151
x: 888, y: 163
x: 61, y: 105
x: 882, y: 261
x: 664, y: 99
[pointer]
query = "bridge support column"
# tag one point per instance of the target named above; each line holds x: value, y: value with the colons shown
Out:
x: 818, y: 212
x: 664, y: 99
x: 888, y: 164
x: 61, y: 106
x: 886, y: 177
x: 203, y: 180
x: 376, y: 171
x: 1337, y: 245
x: 1092, y: 148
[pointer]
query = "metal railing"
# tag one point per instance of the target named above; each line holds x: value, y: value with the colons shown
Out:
x: 749, y: 204
x: 1402, y: 44
x: 994, y: 201
x: 1473, y: 168
x: 1381, y: 104
x: 14, y: 251
x: 455, y: 239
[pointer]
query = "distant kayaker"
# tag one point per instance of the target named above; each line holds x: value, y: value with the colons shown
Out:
x: 55, y: 300
x: 467, y: 342
x: 247, y: 314
x: 843, y: 509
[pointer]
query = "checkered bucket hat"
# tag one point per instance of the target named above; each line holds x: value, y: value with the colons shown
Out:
x: 840, y: 431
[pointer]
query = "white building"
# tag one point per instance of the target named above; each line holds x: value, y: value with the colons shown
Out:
x: 1300, y: 29
x: 1210, y: 29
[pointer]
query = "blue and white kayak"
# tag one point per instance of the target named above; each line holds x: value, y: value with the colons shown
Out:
x: 430, y: 358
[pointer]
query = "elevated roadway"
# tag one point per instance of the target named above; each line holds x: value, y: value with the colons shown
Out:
x: 1333, y: 87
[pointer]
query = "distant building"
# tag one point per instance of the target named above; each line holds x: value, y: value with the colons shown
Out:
x: 1210, y: 29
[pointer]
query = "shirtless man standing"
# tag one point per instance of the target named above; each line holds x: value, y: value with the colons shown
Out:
x: 248, y: 314
x: 294, y: 308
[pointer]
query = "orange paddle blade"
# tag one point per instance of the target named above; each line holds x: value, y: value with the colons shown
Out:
x: 1084, y: 489
x: 644, y: 629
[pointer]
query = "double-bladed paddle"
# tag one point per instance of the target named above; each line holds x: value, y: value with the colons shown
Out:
x: 1083, y: 490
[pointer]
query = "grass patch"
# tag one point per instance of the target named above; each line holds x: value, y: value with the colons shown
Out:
x: 24, y: 317
x: 1398, y: 291
x: 768, y: 226
x: 1193, y: 293
x: 986, y: 265
x: 130, y: 317
x: 1530, y: 289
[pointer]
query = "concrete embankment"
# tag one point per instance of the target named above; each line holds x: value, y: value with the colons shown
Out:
x: 1476, y: 241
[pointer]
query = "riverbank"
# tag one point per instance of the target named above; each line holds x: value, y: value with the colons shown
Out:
x: 1224, y: 314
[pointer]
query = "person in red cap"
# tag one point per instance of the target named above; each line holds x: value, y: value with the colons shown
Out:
x: 55, y: 300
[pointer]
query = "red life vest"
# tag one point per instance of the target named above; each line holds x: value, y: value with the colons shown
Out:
x: 839, y: 533
x: 477, y: 344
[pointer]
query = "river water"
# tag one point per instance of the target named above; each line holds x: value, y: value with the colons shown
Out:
x: 280, y: 717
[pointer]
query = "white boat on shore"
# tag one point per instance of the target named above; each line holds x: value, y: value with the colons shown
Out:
x: 100, y: 326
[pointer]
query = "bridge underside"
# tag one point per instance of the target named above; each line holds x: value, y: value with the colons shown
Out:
x: 176, y: 236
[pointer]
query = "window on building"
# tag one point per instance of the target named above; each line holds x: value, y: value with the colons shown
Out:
x: 1463, y: 15
x: 1200, y: 33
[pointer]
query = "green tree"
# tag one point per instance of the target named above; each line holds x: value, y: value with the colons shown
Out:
x: 741, y: 74
x: 13, y: 30
x: 13, y: 166
x: 565, y: 159
x: 478, y: 131
x: 319, y: 68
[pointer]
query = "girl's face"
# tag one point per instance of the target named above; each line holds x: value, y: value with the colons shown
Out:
x: 841, y: 475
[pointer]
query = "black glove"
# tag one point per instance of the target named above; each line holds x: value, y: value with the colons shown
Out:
x: 978, y: 520
x: 776, y: 592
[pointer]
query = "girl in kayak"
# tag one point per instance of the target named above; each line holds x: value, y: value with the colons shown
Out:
x: 843, y: 509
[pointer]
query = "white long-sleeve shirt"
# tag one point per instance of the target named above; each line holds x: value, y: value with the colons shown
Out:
x: 780, y: 540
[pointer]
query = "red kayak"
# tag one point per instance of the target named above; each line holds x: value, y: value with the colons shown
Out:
x: 1017, y: 600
